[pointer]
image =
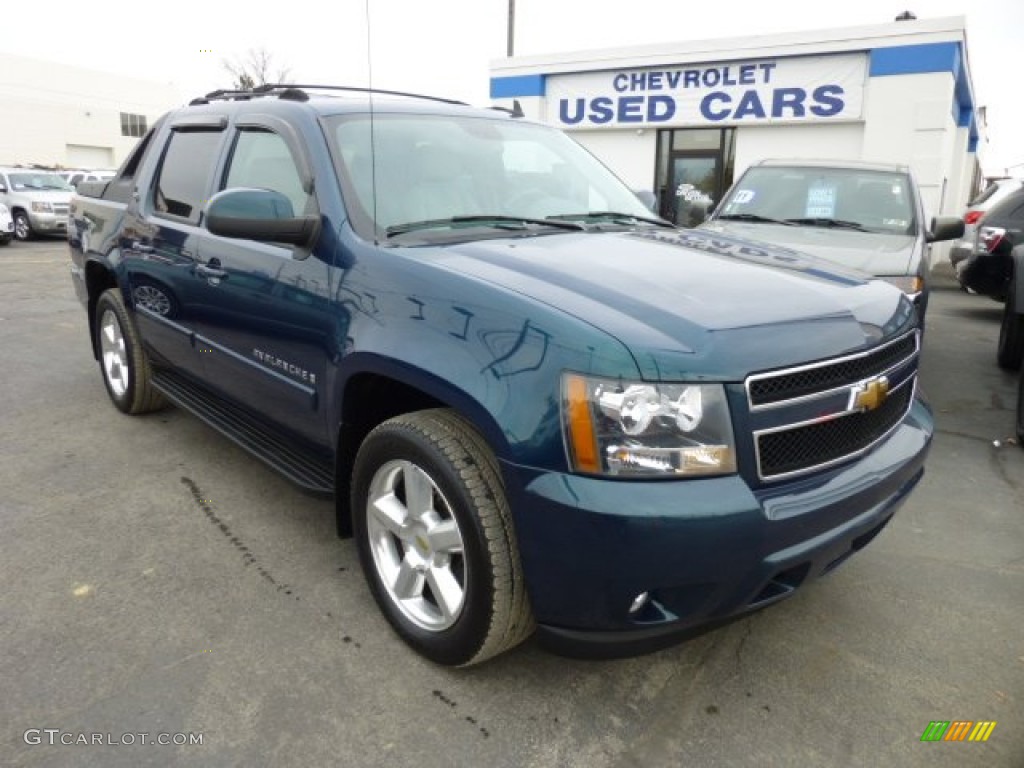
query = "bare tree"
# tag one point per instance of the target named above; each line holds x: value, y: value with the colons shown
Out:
x: 255, y: 67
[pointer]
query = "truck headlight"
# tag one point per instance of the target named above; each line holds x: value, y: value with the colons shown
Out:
x: 42, y: 207
x: 909, y: 284
x: 637, y: 428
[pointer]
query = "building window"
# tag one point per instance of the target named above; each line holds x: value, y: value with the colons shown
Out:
x: 133, y: 125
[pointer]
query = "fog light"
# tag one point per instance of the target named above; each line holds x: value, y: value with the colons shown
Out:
x: 639, y: 602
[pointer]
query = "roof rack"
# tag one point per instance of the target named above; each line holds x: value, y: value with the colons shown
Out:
x: 292, y: 92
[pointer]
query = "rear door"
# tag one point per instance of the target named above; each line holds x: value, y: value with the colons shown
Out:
x: 160, y: 243
x: 266, y: 326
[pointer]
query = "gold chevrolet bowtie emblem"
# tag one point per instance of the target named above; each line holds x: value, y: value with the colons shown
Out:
x: 869, y: 394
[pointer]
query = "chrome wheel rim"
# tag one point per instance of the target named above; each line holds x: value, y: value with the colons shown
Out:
x: 112, y: 352
x: 153, y: 299
x: 21, y: 227
x: 417, y: 545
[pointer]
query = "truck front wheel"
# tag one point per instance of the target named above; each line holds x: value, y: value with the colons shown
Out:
x: 22, y: 227
x: 436, y: 540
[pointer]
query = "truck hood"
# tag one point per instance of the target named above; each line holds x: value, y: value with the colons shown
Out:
x: 871, y: 252
x: 691, y: 304
x: 49, y: 195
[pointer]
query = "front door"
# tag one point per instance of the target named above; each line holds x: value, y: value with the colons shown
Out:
x: 693, y: 186
x: 264, y: 332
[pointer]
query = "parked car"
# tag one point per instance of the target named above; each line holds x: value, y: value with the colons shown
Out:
x: 74, y: 178
x: 994, y: 193
x: 995, y: 268
x: 38, y: 201
x: 868, y: 216
x: 6, y: 225
x: 535, y: 403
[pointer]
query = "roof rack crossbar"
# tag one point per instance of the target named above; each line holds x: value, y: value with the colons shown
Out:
x: 280, y: 89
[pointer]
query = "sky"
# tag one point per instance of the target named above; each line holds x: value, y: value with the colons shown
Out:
x: 445, y: 47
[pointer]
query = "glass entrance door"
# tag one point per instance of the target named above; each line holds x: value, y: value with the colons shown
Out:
x: 693, y: 185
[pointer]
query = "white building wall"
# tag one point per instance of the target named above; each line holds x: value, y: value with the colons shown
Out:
x: 45, y: 108
x: 815, y: 141
x: 909, y: 120
x: 629, y: 154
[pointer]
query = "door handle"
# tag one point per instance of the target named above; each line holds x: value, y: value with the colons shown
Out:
x: 211, y: 269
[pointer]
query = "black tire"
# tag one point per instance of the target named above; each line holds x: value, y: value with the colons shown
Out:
x: 1020, y: 412
x: 465, y: 492
x: 123, y: 362
x: 1010, y: 352
x: 22, y: 226
x: 4, y: 241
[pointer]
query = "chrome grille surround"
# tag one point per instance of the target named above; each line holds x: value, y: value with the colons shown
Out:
x: 780, y: 388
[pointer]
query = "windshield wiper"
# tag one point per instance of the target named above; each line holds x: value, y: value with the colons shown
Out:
x: 612, y: 216
x: 827, y: 222
x: 755, y: 218
x: 495, y: 220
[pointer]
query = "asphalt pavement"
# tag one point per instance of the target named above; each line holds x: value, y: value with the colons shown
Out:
x: 159, y: 581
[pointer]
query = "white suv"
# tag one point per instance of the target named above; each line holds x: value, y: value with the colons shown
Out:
x: 6, y: 225
x: 74, y: 178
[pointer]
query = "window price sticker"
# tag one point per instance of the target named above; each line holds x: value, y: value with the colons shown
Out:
x: 821, y: 201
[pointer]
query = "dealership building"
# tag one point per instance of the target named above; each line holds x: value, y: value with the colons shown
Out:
x: 62, y: 116
x: 685, y: 119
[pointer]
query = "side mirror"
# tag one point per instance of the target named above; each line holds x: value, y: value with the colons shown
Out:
x: 647, y: 197
x: 259, y: 214
x: 3, y: 187
x: 945, y: 228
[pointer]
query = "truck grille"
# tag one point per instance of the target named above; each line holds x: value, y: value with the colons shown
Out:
x: 814, y: 445
x: 767, y: 389
x: 60, y: 209
x: 814, y: 439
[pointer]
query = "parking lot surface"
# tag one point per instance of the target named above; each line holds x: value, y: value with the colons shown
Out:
x: 160, y: 581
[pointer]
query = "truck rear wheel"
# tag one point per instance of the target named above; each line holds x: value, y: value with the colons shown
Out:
x: 1020, y: 411
x: 1010, y: 352
x: 436, y: 540
x: 123, y: 361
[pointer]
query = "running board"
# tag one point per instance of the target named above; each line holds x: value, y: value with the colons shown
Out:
x: 312, y: 473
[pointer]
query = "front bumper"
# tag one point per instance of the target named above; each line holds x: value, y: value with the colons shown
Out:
x: 44, y: 223
x: 705, y: 550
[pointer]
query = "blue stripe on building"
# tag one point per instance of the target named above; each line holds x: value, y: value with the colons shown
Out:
x: 517, y: 86
x: 915, y: 59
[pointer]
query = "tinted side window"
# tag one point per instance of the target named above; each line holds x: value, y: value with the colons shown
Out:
x: 184, y: 176
x: 261, y: 160
x: 985, y: 195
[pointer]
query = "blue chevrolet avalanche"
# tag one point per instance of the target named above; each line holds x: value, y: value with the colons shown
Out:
x: 538, y: 407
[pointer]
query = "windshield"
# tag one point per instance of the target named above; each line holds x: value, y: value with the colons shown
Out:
x: 873, y: 201
x: 435, y: 168
x: 38, y: 181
